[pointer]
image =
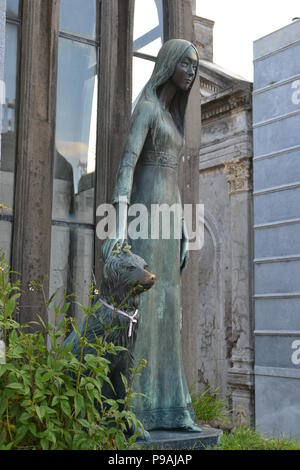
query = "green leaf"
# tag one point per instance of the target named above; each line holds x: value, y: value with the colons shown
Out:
x: 51, y: 436
x: 51, y: 298
x: 65, y: 308
x: 32, y: 429
x: 15, y: 386
x: 11, y: 305
x: 120, y: 441
x: 79, y: 405
x: 46, y: 377
x: 42, y: 322
x: 45, y: 444
x: 65, y: 406
x: 21, y: 433
x: 55, y: 400
x: 2, y: 407
x: 2, y: 370
x: 125, y: 381
x: 40, y: 413
x: 68, y: 438
x: 75, y: 327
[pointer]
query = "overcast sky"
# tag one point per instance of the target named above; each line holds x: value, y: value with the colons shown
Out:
x: 239, y: 23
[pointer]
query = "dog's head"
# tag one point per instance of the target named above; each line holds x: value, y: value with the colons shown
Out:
x: 126, y: 276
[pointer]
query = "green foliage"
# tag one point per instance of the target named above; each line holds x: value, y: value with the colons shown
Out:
x: 244, y: 438
x: 208, y: 407
x: 48, y: 398
x: 121, y: 249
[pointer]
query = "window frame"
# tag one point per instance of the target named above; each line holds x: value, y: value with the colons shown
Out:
x: 18, y: 22
x: 97, y: 44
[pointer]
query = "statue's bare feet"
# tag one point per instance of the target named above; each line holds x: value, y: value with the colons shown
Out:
x: 191, y: 427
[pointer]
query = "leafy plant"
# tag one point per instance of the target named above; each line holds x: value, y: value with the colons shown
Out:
x: 49, y: 399
x: 208, y: 407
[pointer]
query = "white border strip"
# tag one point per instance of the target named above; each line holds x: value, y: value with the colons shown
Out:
x: 276, y: 51
x: 276, y: 259
x: 276, y: 333
x: 276, y: 85
x: 279, y: 153
x: 277, y: 372
x: 275, y: 189
x: 275, y: 296
x: 276, y: 119
x: 277, y: 223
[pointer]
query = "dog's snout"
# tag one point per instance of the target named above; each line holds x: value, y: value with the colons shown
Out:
x: 150, y: 278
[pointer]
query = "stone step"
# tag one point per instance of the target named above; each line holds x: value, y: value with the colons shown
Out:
x: 180, y: 440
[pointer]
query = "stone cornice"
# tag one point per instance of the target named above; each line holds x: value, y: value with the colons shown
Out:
x: 224, y: 104
x: 208, y: 85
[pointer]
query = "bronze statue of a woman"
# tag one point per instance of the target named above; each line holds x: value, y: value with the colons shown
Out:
x: 148, y: 174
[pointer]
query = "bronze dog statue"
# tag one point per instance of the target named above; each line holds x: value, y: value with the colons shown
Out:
x: 125, y: 278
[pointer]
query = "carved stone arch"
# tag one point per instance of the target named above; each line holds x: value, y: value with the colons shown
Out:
x: 212, y: 364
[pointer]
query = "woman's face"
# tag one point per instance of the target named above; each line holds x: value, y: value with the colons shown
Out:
x: 186, y: 69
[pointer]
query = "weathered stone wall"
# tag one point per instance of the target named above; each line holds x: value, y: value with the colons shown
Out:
x: 225, y: 309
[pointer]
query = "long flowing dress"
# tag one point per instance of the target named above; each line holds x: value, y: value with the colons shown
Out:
x: 152, y: 175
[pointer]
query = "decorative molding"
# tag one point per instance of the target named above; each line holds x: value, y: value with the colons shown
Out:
x: 207, y: 85
x: 226, y: 104
x: 239, y: 174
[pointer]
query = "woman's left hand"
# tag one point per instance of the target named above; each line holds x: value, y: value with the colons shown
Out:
x: 184, y: 248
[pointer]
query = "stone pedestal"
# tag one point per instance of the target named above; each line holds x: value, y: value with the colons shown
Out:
x: 176, y: 440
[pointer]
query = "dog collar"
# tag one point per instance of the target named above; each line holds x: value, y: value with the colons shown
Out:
x: 132, y: 318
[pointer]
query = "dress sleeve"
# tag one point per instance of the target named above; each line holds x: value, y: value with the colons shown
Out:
x: 139, y: 128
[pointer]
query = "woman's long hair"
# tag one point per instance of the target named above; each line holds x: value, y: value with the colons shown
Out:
x: 169, y: 55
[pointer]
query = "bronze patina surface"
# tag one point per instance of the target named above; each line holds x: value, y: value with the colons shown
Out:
x: 148, y: 174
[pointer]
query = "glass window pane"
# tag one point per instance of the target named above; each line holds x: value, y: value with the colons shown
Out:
x: 12, y: 8
x: 142, y: 71
x: 148, y: 26
x: 76, y: 131
x: 9, y: 119
x: 5, y: 238
x: 77, y: 245
x: 152, y: 48
x: 79, y: 17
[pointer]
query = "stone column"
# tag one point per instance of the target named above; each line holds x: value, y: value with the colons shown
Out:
x: 240, y: 377
x: 115, y: 95
x: 173, y: 19
x: 33, y: 204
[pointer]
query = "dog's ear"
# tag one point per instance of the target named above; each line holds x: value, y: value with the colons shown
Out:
x: 107, y: 248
